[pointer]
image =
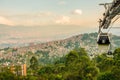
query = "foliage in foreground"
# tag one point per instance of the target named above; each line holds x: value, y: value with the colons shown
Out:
x: 76, y: 65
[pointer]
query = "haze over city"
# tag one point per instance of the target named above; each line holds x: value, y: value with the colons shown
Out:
x: 44, y: 20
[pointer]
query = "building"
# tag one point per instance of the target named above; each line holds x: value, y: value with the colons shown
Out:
x: 23, y: 70
x: 19, y: 69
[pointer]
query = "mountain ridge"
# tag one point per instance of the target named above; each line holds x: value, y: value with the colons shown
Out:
x: 48, y: 51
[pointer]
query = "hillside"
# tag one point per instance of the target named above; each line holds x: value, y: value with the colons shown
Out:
x: 50, y: 51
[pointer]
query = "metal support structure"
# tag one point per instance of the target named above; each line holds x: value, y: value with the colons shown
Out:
x: 112, y: 10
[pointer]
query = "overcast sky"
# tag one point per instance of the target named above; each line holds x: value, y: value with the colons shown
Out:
x: 44, y: 20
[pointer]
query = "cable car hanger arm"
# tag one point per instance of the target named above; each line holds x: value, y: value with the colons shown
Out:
x: 111, y: 10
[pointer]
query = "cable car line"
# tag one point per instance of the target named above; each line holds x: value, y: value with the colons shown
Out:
x: 113, y: 23
x: 112, y: 10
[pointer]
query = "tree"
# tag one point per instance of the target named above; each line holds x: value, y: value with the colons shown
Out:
x: 33, y: 63
x: 47, y: 70
x: 91, y: 72
x: 71, y: 57
x: 6, y: 74
x: 106, y: 64
x: 106, y: 76
x: 116, y: 73
x: 117, y: 54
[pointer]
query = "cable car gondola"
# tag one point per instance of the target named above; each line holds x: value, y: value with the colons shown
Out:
x: 112, y: 13
x: 109, y: 53
x: 103, y: 39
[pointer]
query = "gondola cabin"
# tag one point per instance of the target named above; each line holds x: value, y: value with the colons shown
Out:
x: 103, y: 39
x: 109, y: 53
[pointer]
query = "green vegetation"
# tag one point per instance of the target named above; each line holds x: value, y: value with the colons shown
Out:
x: 33, y: 63
x: 76, y: 65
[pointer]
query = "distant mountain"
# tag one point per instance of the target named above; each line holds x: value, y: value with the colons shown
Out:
x: 47, y: 52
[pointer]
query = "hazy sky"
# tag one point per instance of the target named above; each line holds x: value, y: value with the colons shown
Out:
x: 44, y: 20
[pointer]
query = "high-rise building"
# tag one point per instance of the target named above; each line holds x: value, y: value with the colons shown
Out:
x: 23, y: 68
